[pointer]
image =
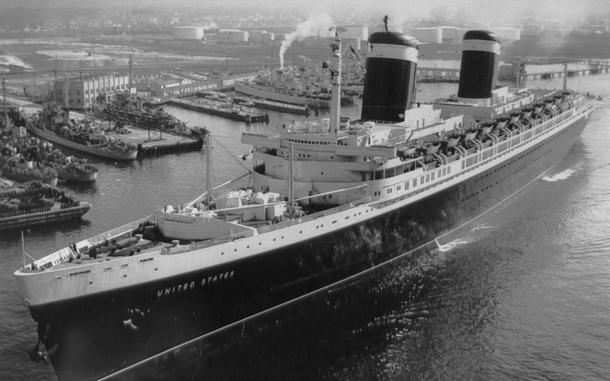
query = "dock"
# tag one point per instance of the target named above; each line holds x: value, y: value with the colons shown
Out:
x: 152, y: 143
x: 433, y: 74
x: 525, y: 67
x: 239, y: 113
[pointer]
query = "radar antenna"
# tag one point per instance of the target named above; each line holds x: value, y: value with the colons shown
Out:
x: 385, y: 22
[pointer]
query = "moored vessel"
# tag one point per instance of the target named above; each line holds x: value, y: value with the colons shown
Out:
x: 36, y: 204
x: 19, y: 169
x: 77, y: 171
x: 54, y: 124
x: 323, y: 204
x: 296, y: 86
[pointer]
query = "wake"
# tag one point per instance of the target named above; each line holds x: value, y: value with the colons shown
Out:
x: 563, y: 175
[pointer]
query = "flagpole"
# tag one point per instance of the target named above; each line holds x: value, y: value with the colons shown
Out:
x: 23, y: 249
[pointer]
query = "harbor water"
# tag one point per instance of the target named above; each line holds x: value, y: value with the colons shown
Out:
x: 521, y: 293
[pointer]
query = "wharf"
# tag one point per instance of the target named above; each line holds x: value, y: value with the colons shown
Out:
x: 155, y: 143
x: 525, y: 68
x: 242, y: 114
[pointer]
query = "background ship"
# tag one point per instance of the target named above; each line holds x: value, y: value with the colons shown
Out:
x: 384, y: 186
x: 38, y: 203
x: 292, y: 85
x: 54, y: 124
x: 18, y: 169
x: 73, y: 169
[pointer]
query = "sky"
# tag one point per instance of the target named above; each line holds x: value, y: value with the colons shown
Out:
x: 491, y: 10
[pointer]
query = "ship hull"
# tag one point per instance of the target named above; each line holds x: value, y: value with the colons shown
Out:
x: 38, y: 218
x: 91, y: 150
x: 76, y: 176
x: 276, y: 96
x: 25, y: 177
x: 121, y: 327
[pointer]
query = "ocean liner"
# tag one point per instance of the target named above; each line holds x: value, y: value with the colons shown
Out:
x: 325, y: 202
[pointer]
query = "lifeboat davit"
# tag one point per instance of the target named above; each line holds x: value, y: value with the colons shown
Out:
x: 453, y: 141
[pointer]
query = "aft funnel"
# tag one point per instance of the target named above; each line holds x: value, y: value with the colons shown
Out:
x: 479, y: 67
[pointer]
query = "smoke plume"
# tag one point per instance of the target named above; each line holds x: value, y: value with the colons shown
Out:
x: 314, y: 24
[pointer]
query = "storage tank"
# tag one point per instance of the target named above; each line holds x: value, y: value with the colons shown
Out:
x: 389, y: 85
x: 479, y: 67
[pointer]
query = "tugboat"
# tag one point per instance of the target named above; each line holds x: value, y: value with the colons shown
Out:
x: 323, y: 205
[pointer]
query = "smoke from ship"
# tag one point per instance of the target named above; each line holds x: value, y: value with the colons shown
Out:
x: 313, y: 25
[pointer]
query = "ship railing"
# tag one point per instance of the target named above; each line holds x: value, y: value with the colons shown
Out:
x: 503, y: 147
x: 310, y: 217
x: 114, y: 232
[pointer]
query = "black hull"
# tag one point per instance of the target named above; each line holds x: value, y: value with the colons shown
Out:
x: 92, y: 337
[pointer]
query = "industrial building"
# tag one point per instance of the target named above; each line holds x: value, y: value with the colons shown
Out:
x: 433, y: 34
x: 188, y: 32
x: 354, y: 42
x: 507, y: 34
x: 355, y: 31
x: 83, y: 93
x: 261, y: 36
x: 232, y: 35
x: 452, y: 34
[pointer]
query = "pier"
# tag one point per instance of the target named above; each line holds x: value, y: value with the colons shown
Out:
x: 156, y: 143
x: 239, y: 113
x: 434, y: 74
x: 547, y: 68
x: 527, y: 67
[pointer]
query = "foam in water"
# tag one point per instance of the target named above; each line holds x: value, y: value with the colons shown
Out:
x: 451, y: 245
x: 563, y: 175
x: 481, y: 227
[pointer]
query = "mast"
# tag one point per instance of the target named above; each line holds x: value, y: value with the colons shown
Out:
x: 335, y: 74
x: 207, y: 146
x: 565, y: 75
x: 291, y: 182
x: 4, y: 102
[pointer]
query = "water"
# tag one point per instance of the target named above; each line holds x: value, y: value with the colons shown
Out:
x: 521, y: 293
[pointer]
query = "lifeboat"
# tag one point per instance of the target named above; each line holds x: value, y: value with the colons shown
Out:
x: 432, y: 148
x: 500, y: 123
x: 453, y: 141
x: 470, y: 135
x: 538, y: 108
x: 486, y: 127
x: 527, y: 113
x: 514, y: 117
